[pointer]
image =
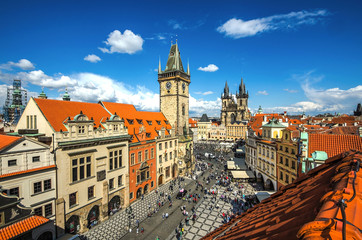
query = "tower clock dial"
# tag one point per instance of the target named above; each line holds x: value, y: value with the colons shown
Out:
x: 168, y: 85
x: 183, y: 86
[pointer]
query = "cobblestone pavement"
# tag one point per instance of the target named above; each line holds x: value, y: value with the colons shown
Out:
x: 208, y: 220
x: 117, y: 225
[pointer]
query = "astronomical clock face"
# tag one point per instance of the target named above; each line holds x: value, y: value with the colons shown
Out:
x: 168, y: 85
x: 183, y: 86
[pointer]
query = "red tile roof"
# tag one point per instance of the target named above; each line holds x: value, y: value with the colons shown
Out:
x: 139, y: 118
x: 57, y: 111
x: 6, y: 140
x: 350, y: 130
x: 333, y: 144
x: 192, y: 123
x: 256, y: 121
x: 307, y: 208
x: 294, y: 121
x: 21, y: 227
x: 26, y: 171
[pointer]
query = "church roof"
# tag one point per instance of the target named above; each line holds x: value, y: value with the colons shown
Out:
x: 174, y: 60
x: 309, y: 208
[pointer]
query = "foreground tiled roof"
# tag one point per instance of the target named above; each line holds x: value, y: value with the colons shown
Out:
x: 56, y: 111
x: 134, y: 119
x: 333, y: 144
x: 306, y: 209
x: 21, y: 227
x: 26, y: 171
x: 6, y: 140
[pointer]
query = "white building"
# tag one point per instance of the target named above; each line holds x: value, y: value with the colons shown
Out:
x: 27, y: 170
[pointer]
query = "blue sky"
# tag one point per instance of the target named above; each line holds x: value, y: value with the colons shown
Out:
x: 293, y: 55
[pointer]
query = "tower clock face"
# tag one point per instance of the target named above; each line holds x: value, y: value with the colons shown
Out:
x: 168, y: 85
x: 183, y: 86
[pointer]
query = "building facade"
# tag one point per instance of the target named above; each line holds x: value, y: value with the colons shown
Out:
x: 288, y: 155
x: 167, y: 164
x: 218, y: 132
x: 204, y: 128
x: 27, y: 170
x: 91, y: 153
x: 145, y: 129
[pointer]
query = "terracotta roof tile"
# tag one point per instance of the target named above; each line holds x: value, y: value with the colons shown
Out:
x: 305, y: 209
x: 6, y: 140
x: 333, y: 144
x: 56, y: 111
x: 21, y: 227
x: 26, y: 171
x: 350, y: 130
x: 128, y: 113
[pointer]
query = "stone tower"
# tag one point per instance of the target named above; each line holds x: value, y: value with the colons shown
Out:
x: 174, y: 91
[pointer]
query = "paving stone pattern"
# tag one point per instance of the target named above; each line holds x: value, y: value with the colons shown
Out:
x: 208, y: 220
x: 117, y: 225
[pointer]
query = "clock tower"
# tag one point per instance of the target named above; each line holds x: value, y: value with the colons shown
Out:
x: 174, y: 91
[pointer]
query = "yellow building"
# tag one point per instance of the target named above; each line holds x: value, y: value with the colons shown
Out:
x: 236, y: 131
x: 287, y: 162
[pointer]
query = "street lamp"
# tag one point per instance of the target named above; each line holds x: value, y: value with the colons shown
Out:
x: 130, y: 216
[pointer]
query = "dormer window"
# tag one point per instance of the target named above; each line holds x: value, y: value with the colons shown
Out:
x: 148, y: 135
x: 139, y: 121
x: 149, y: 122
x: 166, y: 122
x: 130, y: 121
x: 158, y: 122
x: 81, y: 129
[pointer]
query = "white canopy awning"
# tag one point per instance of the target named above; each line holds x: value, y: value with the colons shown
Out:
x: 236, y: 164
x: 243, y: 174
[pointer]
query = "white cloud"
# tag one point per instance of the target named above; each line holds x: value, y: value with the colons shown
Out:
x: 174, y: 24
x: 128, y: 42
x: 92, y: 58
x: 91, y: 87
x: 323, y: 100
x: 23, y: 64
x: 290, y: 90
x: 209, y: 68
x: 39, y: 78
x: 204, y: 93
x: 263, y: 93
x: 200, y: 106
x: 238, y: 28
